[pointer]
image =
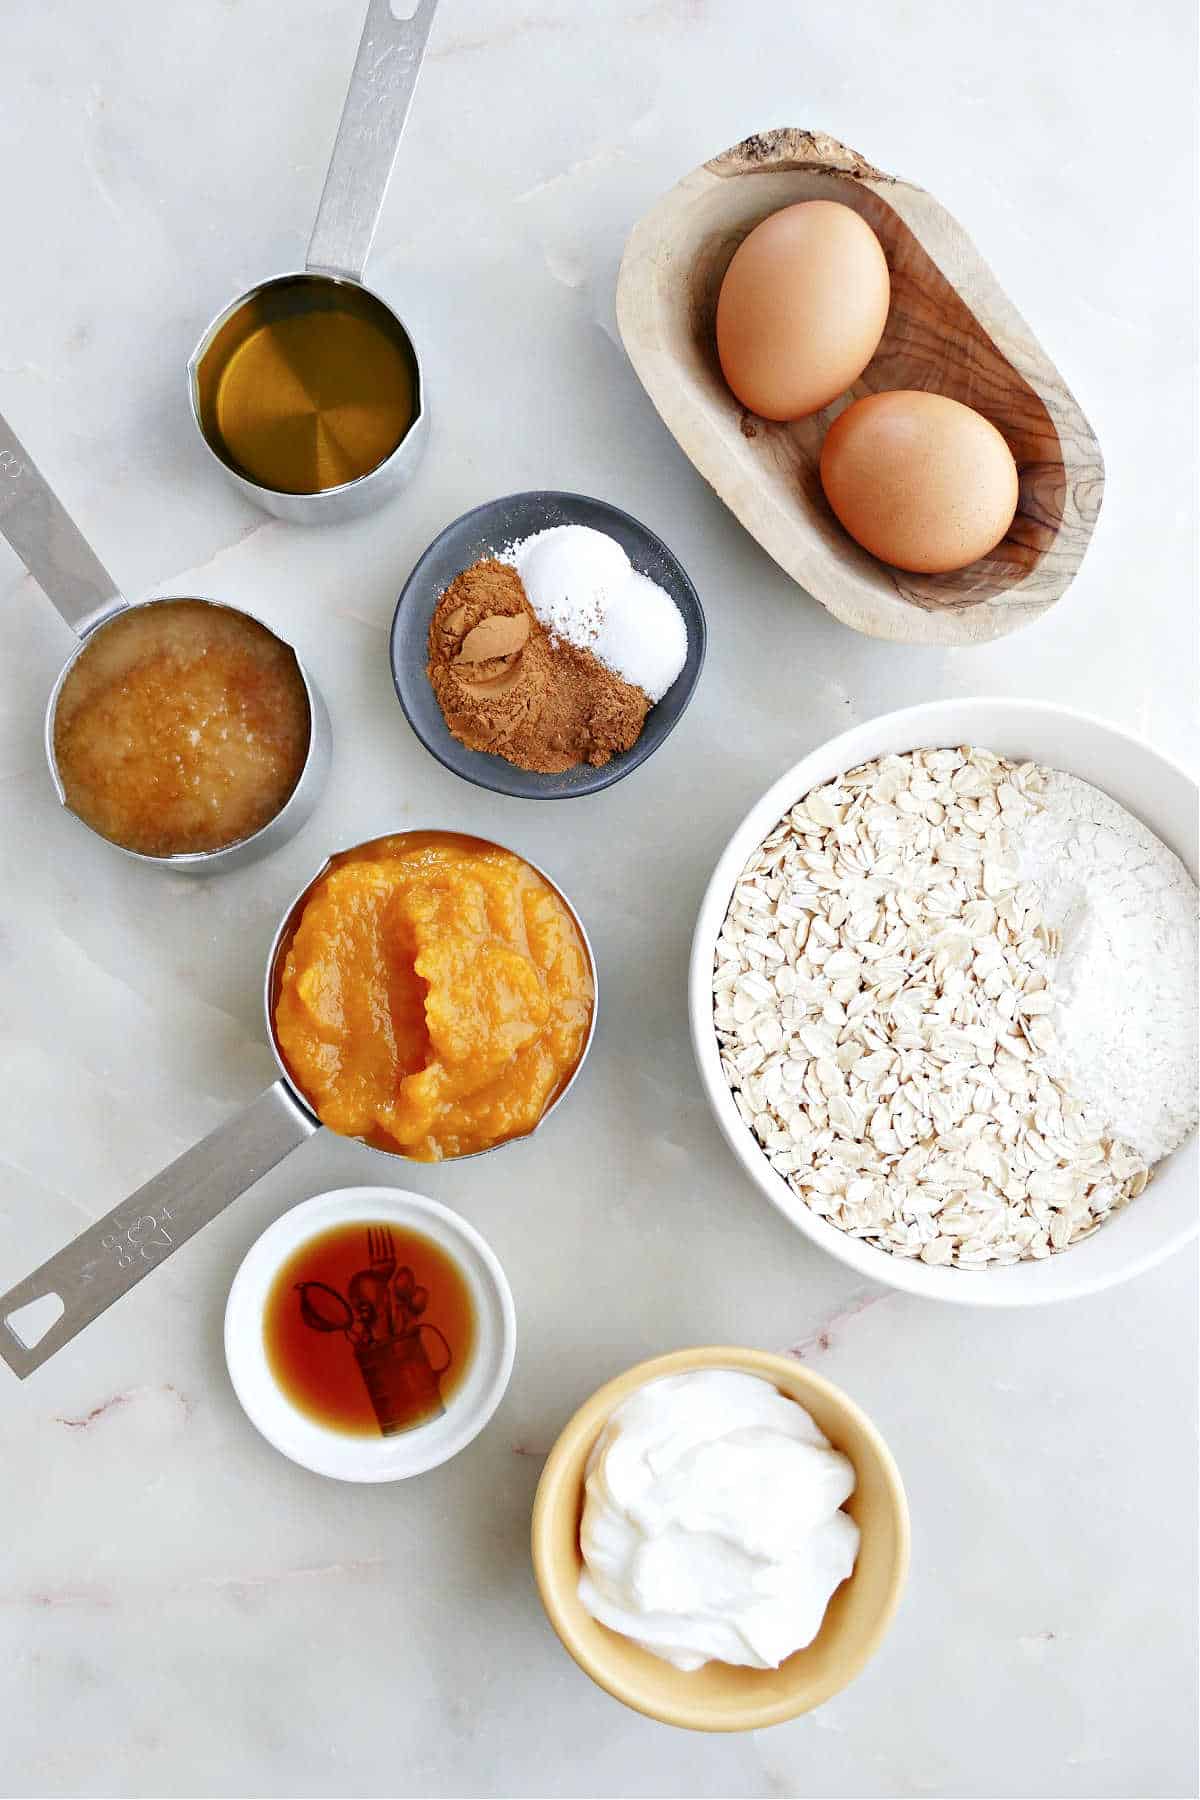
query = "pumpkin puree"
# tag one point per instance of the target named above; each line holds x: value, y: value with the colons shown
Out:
x: 436, y: 995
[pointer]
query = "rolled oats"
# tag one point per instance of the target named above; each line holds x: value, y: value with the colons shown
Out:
x: 883, y: 1004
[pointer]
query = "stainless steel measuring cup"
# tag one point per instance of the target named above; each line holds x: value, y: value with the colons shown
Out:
x: 113, y: 1255
x: 389, y: 60
x: 71, y: 575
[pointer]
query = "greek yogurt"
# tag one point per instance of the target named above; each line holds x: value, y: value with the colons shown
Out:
x: 712, y: 1525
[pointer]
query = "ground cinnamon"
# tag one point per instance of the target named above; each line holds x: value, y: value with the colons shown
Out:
x: 504, y: 686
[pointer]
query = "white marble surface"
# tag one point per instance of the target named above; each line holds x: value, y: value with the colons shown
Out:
x: 181, y: 1611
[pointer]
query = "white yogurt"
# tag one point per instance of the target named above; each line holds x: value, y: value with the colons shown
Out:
x: 711, y: 1527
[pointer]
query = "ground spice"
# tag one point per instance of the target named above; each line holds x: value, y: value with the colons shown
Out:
x: 504, y: 686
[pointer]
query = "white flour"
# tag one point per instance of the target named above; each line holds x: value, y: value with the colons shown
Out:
x: 1125, y: 982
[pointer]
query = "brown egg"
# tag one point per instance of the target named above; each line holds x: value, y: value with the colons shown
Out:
x: 921, y: 481
x: 801, y: 309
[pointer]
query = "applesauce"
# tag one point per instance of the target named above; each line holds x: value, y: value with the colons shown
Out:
x: 181, y: 727
x: 435, y: 996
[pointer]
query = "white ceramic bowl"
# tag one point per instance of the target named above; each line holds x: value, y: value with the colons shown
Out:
x: 1153, y: 788
x: 334, y: 1453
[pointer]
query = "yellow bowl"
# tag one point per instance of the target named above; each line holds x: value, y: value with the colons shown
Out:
x: 719, y: 1697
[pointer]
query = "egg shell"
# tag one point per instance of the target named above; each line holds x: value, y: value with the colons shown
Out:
x: 802, y: 309
x: 919, y: 480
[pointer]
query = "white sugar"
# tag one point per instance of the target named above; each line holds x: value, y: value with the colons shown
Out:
x: 582, y: 587
x: 570, y: 574
x: 642, y: 636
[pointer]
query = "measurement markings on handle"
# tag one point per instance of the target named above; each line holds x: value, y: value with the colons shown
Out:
x: 146, y: 1238
x: 11, y: 471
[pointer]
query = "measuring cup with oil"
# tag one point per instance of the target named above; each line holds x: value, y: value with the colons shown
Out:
x: 308, y: 388
x: 181, y: 730
x: 113, y: 1255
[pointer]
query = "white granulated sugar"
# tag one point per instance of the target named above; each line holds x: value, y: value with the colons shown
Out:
x: 955, y: 1003
x: 1125, y: 1018
x: 569, y: 574
x: 642, y: 636
x: 584, y: 589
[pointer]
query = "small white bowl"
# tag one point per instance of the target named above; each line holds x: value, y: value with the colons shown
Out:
x: 328, y: 1452
x: 1150, y: 786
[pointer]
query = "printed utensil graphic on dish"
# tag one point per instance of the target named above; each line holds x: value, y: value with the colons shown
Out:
x: 71, y: 575
x: 381, y: 1321
x: 330, y: 1311
x: 307, y: 388
x: 113, y: 1255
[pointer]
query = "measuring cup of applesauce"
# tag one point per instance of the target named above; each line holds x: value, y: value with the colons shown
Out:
x: 182, y: 731
x: 323, y: 1007
x: 308, y: 388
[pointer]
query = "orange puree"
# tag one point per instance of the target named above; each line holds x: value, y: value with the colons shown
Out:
x: 435, y: 997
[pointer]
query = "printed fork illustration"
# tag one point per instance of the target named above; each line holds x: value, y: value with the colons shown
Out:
x: 381, y: 1250
x: 382, y: 1254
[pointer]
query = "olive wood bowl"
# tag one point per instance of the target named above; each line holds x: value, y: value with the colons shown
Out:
x: 951, y: 329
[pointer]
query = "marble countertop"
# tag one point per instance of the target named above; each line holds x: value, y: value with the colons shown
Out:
x: 182, y: 1612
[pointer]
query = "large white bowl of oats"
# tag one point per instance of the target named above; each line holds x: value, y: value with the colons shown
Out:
x: 943, y: 997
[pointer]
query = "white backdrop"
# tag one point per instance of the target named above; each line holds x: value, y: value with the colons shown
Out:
x: 181, y: 1611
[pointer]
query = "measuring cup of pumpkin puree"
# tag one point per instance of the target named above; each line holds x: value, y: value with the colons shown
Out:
x: 429, y: 994
x: 307, y: 388
x: 182, y: 730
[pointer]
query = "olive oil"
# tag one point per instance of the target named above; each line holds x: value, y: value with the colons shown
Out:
x: 309, y: 385
x: 369, y: 1329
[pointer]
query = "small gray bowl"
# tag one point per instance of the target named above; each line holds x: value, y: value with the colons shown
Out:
x: 483, y: 531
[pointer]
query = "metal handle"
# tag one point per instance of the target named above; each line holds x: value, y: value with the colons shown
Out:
x: 113, y: 1255
x: 389, y: 60
x: 49, y: 543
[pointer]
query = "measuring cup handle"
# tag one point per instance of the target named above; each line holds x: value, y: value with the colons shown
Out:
x: 390, y: 54
x: 113, y: 1255
x: 49, y: 542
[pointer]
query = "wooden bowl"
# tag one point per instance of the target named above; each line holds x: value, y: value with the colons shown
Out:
x: 951, y: 330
